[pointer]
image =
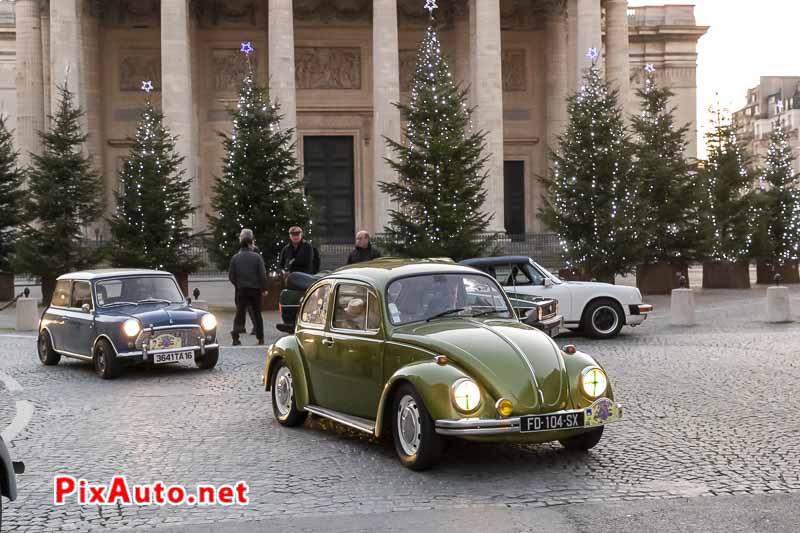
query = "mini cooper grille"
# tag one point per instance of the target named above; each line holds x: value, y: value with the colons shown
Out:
x: 188, y: 336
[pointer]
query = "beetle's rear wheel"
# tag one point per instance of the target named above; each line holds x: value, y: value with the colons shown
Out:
x: 415, y: 438
x: 584, y: 441
x: 283, y: 402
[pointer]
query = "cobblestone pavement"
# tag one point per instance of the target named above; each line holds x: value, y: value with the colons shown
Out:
x: 710, y: 410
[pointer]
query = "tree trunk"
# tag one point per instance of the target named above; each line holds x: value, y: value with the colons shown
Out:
x: 48, y: 288
x: 6, y: 286
x: 183, y: 282
x: 726, y: 275
x: 660, y: 278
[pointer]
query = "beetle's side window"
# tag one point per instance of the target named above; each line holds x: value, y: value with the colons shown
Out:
x: 373, y: 312
x: 81, y: 294
x: 316, y: 307
x: 350, y: 311
x: 61, y: 294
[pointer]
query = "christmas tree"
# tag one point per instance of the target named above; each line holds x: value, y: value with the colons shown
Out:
x: 668, y: 193
x: 148, y: 228
x: 64, y: 197
x: 440, y: 187
x: 591, y: 189
x: 260, y: 188
x: 779, y: 202
x: 726, y: 201
x: 11, y: 195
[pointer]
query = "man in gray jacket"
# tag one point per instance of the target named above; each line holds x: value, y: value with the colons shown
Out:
x: 249, y: 275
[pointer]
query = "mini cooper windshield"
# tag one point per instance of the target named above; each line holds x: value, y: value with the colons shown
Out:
x: 134, y: 290
x: 432, y: 296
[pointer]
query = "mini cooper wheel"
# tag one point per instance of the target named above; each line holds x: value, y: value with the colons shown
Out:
x: 208, y: 360
x: 47, y: 355
x: 603, y: 319
x: 584, y: 441
x: 415, y: 438
x: 283, y: 402
x: 105, y: 360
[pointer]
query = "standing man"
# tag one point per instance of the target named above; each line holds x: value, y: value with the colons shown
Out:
x: 297, y: 255
x: 364, y: 251
x: 249, y: 275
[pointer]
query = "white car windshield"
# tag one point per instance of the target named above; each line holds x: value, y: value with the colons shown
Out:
x: 547, y: 273
x: 434, y: 296
x: 137, y: 290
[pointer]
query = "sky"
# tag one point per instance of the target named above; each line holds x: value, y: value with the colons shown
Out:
x: 747, y: 39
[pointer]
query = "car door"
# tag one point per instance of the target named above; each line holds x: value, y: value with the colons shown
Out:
x: 79, y: 328
x: 353, y: 359
x: 559, y: 291
x: 313, y: 340
x: 55, y: 318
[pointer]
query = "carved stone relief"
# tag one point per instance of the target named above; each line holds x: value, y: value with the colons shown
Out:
x: 338, y: 12
x: 514, y: 71
x: 328, y: 68
x: 226, y: 13
x: 136, y: 66
x: 131, y: 13
x: 522, y: 14
x: 408, y: 62
x: 229, y: 68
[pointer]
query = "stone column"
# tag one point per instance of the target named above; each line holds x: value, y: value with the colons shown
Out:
x: 91, y: 86
x: 45, y: 18
x: 281, y: 60
x: 556, y: 80
x: 65, y: 52
x: 487, y: 96
x: 29, y: 79
x: 385, y: 92
x: 177, y: 99
x: 617, y: 48
x: 589, y: 34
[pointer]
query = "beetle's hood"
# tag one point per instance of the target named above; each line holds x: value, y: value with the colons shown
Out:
x: 503, y: 355
x: 161, y: 314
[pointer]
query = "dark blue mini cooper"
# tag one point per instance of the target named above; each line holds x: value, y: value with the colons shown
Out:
x: 115, y: 318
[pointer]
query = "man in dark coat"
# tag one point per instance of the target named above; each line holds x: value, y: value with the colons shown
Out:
x: 249, y: 275
x: 298, y: 254
x: 364, y: 251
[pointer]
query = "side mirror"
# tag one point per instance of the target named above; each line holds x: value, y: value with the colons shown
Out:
x: 548, y: 283
x: 86, y: 308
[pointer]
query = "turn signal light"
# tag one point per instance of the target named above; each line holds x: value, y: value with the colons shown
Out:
x: 504, y: 407
x: 441, y: 360
x: 569, y: 349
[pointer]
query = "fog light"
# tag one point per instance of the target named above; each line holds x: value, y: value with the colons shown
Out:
x: 504, y: 407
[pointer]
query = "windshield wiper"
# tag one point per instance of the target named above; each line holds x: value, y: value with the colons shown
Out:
x: 114, y: 304
x: 484, y: 313
x: 445, y: 313
x: 155, y: 300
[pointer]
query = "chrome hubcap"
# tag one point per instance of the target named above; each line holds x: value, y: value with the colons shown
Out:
x: 42, y: 347
x: 409, y: 428
x: 101, y: 360
x: 605, y: 319
x: 284, y: 391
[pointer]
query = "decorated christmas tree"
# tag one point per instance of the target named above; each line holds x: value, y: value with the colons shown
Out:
x: 11, y: 195
x: 779, y: 206
x: 64, y: 197
x: 259, y: 188
x: 148, y: 228
x: 668, y: 193
x: 726, y: 200
x: 440, y: 187
x: 591, y: 190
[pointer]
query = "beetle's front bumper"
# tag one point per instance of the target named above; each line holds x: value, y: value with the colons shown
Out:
x: 505, y: 426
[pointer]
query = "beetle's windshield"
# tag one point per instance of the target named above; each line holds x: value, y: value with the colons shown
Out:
x: 136, y: 290
x: 434, y: 296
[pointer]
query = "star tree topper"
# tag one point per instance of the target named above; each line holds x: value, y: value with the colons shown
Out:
x: 779, y: 106
x: 147, y: 86
x: 649, y: 68
x: 247, y: 48
x: 593, y: 54
x: 430, y: 5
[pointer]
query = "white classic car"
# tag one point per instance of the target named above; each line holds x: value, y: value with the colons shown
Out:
x: 597, y: 309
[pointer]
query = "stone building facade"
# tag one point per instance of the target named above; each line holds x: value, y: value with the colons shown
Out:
x: 335, y: 67
x: 775, y: 98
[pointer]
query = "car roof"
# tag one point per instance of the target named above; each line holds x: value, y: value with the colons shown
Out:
x: 381, y: 272
x: 499, y: 260
x: 102, y: 273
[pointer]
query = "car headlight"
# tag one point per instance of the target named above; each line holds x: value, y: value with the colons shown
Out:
x: 208, y: 322
x: 131, y: 327
x: 466, y: 395
x: 593, y: 382
x: 540, y: 313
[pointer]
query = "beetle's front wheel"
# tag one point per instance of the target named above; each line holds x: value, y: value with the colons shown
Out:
x: 415, y: 438
x: 283, y: 403
x: 584, y: 441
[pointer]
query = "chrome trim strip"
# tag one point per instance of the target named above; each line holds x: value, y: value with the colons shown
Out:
x: 75, y: 355
x: 355, y: 422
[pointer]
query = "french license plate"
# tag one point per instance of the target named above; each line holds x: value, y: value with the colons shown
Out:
x: 165, y: 342
x: 554, y: 332
x: 552, y: 422
x: 173, y: 357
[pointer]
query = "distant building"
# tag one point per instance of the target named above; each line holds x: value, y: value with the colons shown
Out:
x: 776, y: 98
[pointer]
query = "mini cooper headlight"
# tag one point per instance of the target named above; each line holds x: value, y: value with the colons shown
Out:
x: 208, y: 322
x: 131, y: 327
x: 593, y: 382
x: 466, y: 395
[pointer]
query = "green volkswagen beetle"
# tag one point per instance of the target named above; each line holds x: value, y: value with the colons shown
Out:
x: 429, y: 350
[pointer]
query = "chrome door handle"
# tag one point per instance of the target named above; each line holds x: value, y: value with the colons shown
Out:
x: 328, y: 342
